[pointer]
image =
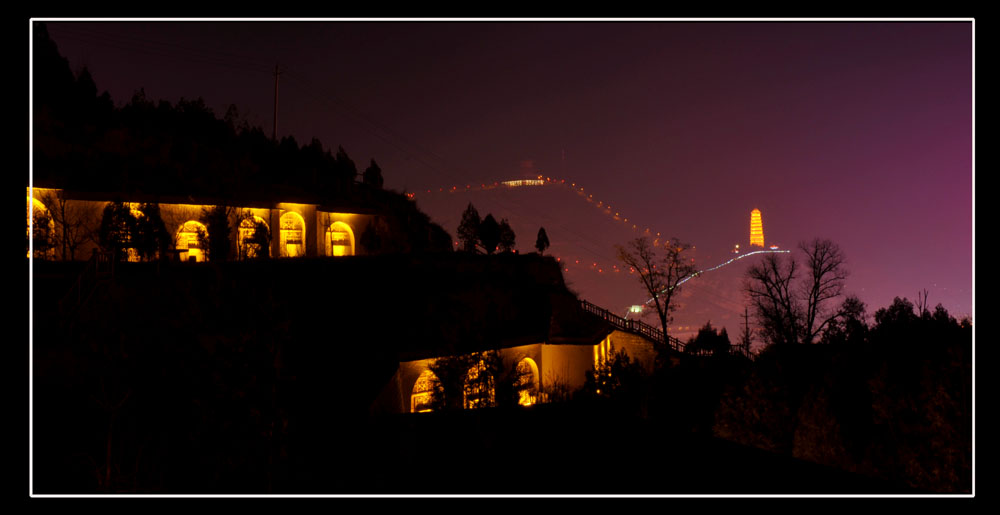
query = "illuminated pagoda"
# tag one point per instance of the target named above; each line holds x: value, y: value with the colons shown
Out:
x: 756, y: 229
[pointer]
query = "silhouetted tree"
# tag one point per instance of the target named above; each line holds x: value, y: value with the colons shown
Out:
x: 503, y: 377
x: 617, y: 378
x: 438, y: 239
x: 449, y: 389
x: 345, y: 170
x: 660, y: 277
x: 850, y: 326
x: 133, y: 233
x: 73, y: 224
x: 216, y: 221
x: 151, y: 239
x: 118, y: 227
x: 789, y: 311
x: 39, y: 233
x: 468, y: 229
x: 373, y: 175
x: 476, y: 380
x: 507, y: 237
x: 257, y: 242
x: 709, y: 340
x: 899, y: 313
x: 489, y: 234
x: 542, y: 241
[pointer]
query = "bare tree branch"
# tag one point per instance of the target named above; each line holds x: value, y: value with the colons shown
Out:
x: 660, y: 276
x: 797, y: 315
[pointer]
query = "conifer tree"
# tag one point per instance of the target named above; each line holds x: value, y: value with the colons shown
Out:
x: 489, y: 234
x: 373, y: 175
x: 507, y: 237
x: 542, y: 241
x: 468, y: 230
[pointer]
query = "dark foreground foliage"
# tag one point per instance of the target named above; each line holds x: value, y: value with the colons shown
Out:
x: 253, y: 376
x: 897, y: 405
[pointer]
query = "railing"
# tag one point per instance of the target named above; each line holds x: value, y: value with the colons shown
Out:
x: 632, y: 326
x: 652, y: 333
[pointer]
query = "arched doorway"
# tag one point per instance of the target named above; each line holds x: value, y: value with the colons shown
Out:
x: 526, y: 383
x: 192, y: 241
x: 41, y: 230
x: 423, y: 392
x: 339, y: 240
x: 292, y: 241
x: 252, y: 238
x: 479, y: 387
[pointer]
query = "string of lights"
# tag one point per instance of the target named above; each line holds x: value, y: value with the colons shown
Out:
x: 716, y: 267
x: 594, y: 266
x: 542, y: 181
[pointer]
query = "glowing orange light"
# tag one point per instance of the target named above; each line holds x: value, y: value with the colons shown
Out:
x: 756, y: 229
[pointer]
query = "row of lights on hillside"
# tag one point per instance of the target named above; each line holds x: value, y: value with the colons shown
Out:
x: 606, y: 208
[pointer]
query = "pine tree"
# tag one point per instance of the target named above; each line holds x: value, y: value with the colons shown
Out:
x: 468, y: 230
x: 489, y: 234
x: 373, y: 175
x: 507, y: 237
x: 542, y: 242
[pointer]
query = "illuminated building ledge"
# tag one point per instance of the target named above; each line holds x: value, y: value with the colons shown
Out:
x: 297, y: 229
x: 552, y: 365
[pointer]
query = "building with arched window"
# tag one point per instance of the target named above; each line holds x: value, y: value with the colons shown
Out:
x: 540, y: 371
x: 303, y: 229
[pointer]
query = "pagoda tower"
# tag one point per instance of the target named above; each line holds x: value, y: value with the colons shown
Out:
x: 756, y: 229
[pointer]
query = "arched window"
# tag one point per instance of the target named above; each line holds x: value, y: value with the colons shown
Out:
x: 423, y: 392
x: 526, y: 383
x: 192, y: 240
x: 339, y: 240
x: 479, y: 388
x: 41, y: 229
x: 293, y: 235
x: 252, y: 240
x: 133, y: 253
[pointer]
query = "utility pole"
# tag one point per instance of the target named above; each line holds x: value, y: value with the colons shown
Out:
x: 274, y: 131
x: 746, y: 331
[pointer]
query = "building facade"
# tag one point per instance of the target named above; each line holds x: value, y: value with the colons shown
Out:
x: 545, y: 371
x: 72, y: 220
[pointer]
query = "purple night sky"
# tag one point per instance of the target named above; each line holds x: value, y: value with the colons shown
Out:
x: 857, y: 132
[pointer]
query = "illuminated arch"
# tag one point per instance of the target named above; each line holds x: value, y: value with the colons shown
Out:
x: 527, y: 382
x: 422, y: 393
x: 250, y: 249
x: 293, y: 235
x: 191, y: 246
x: 479, y: 388
x: 133, y: 253
x: 38, y: 213
x: 339, y: 240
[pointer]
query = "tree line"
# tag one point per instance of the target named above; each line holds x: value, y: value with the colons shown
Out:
x: 83, y: 142
x: 477, y: 234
